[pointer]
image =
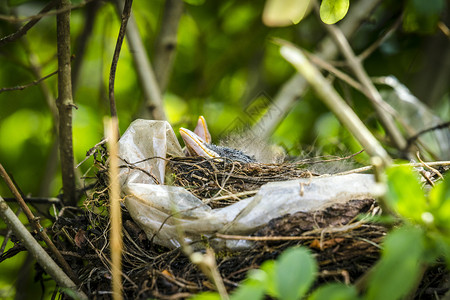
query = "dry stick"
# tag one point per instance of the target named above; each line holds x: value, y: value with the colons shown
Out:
x: 295, y: 87
x: 46, y: 262
x: 112, y: 75
x: 383, y: 110
x: 115, y: 213
x: 14, y: 19
x: 414, y: 165
x: 36, y: 224
x: 24, y: 29
x: 166, y: 42
x: 22, y: 87
x: 65, y: 104
x: 153, y: 104
x: 367, y: 52
x: 334, y: 102
x: 90, y: 14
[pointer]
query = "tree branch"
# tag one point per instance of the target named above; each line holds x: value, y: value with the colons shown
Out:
x: 14, y: 19
x: 383, y: 110
x: 22, y: 87
x: 89, y: 19
x: 285, y: 99
x: 65, y: 104
x: 334, y: 102
x: 47, y: 263
x: 112, y: 75
x: 153, y: 104
x: 24, y: 29
x: 35, y: 223
x: 166, y: 42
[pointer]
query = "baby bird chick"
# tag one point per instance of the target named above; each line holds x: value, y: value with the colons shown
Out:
x: 198, y: 143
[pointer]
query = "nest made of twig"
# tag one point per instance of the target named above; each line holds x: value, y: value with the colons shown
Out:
x: 221, y: 182
x: 342, y: 237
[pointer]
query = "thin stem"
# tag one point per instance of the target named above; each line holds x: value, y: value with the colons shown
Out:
x: 47, y: 263
x: 112, y: 75
x: 35, y: 222
x: 22, y: 87
x: 152, y: 107
x: 296, y: 86
x: 334, y: 102
x: 166, y: 42
x: 115, y: 213
x: 383, y: 110
x: 24, y: 29
x: 65, y: 104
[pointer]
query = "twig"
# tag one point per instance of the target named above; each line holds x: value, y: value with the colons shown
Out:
x: 296, y: 86
x: 35, y: 223
x: 380, y: 40
x: 166, y: 42
x: 89, y: 20
x: 153, y: 104
x: 414, y: 165
x: 38, y: 200
x: 112, y: 75
x: 116, y: 242
x: 65, y: 9
x: 22, y: 87
x: 36, y: 250
x: 413, y: 138
x: 334, y: 102
x: 338, y: 73
x: 24, y: 29
x: 383, y: 110
x: 445, y: 30
x: 8, y: 234
x: 263, y: 238
x: 65, y: 103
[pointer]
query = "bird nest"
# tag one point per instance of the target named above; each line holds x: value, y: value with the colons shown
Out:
x: 221, y: 182
x: 342, y: 238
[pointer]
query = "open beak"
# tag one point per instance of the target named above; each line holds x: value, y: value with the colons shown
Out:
x: 202, y: 130
x: 195, y: 145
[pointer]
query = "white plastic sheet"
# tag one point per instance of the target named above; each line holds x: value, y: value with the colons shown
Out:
x: 158, y: 209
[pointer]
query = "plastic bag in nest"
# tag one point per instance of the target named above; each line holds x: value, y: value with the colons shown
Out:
x: 158, y: 209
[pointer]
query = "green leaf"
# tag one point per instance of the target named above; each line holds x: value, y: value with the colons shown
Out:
x: 269, y: 267
x: 400, y: 265
x: 294, y: 273
x: 332, y: 11
x: 284, y: 12
x: 253, y: 287
x: 206, y: 296
x: 335, y: 291
x: 439, y: 199
x: 422, y: 16
x: 405, y: 194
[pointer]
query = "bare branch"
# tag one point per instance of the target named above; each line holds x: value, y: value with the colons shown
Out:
x: 166, y: 42
x: 295, y: 87
x: 334, y: 102
x: 112, y: 75
x: 47, y: 263
x: 65, y: 104
x: 89, y: 19
x: 14, y: 19
x: 22, y: 87
x: 380, y: 40
x: 153, y: 103
x: 24, y: 29
x: 116, y: 242
x: 35, y: 223
x: 383, y: 110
